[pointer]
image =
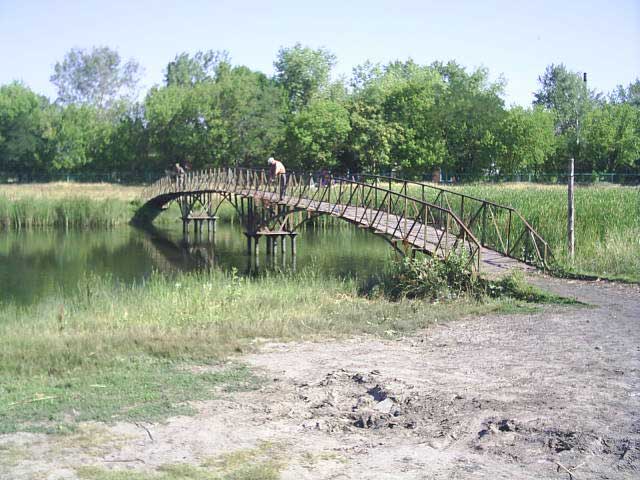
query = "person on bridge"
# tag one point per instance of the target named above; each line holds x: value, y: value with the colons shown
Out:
x: 278, y: 172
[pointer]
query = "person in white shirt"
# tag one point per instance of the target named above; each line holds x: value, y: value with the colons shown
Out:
x: 279, y: 173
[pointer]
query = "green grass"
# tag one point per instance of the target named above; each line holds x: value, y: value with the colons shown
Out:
x: 80, y: 212
x: 129, y: 389
x: 253, y: 469
x: 37, y: 211
x: 264, y: 462
x: 109, y: 352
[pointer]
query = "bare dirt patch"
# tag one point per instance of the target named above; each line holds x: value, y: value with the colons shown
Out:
x: 510, y: 396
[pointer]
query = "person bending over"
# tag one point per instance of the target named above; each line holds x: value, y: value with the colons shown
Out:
x: 278, y: 172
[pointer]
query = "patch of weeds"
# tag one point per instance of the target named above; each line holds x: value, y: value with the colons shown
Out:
x: 516, y: 287
x: 426, y: 278
x: 435, y: 280
x: 310, y: 459
x: 265, y: 461
x: 93, y: 439
x: 130, y: 389
x: 97, y: 473
x: 248, y: 468
x: 11, y: 454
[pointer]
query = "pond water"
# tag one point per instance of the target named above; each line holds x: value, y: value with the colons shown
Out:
x: 37, y: 264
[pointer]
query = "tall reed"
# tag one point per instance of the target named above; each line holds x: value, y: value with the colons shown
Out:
x: 82, y: 212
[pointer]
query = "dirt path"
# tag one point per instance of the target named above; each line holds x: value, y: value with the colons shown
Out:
x: 494, y: 397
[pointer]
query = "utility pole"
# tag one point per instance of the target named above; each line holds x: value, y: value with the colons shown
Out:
x: 571, y: 210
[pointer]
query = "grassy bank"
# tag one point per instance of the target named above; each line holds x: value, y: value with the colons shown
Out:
x: 67, y: 205
x: 73, y: 205
x: 79, y: 212
x: 61, y: 190
x: 107, y: 346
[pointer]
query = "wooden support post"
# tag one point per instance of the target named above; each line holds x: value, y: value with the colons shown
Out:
x: 571, y: 242
x: 283, y: 245
x: 248, y: 243
x: 293, y: 245
x: 257, y: 246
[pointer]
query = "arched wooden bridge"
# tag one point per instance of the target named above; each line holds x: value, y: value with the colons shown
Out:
x: 494, y: 239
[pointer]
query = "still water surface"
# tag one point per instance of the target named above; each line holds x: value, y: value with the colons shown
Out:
x: 35, y: 265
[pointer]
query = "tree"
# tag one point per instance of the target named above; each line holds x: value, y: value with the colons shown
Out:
x: 630, y: 95
x: 96, y: 78
x: 185, y: 70
x: 303, y: 72
x: 469, y: 110
x: 253, y: 109
x: 372, y: 138
x: 183, y: 123
x: 316, y: 136
x: 526, y: 140
x: 612, y: 138
x: 565, y: 94
x: 23, y: 129
x: 78, y: 133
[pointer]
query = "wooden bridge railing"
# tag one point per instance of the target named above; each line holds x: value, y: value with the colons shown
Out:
x: 498, y: 227
x: 407, y: 220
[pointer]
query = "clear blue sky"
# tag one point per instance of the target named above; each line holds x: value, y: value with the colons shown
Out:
x: 516, y: 39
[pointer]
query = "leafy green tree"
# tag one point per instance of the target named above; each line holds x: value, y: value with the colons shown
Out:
x: 565, y: 94
x: 410, y: 98
x: 123, y: 145
x: 372, y: 137
x: 97, y: 77
x: 526, y: 140
x: 303, y: 72
x: 76, y: 137
x: 235, y: 118
x: 23, y: 129
x: 392, y: 116
x: 469, y: 109
x: 612, y: 138
x: 630, y: 95
x: 186, y: 70
x: 253, y: 111
x: 316, y: 136
x: 182, y: 124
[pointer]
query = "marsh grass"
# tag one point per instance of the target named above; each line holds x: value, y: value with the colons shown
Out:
x: 60, y: 190
x: 607, y: 222
x: 70, y: 212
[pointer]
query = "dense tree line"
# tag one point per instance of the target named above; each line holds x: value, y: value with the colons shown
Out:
x: 403, y: 116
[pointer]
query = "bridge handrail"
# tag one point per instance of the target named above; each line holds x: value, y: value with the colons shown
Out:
x: 398, y: 207
x: 543, y: 256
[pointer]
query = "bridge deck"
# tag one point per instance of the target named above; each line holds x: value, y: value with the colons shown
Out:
x: 418, y: 235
